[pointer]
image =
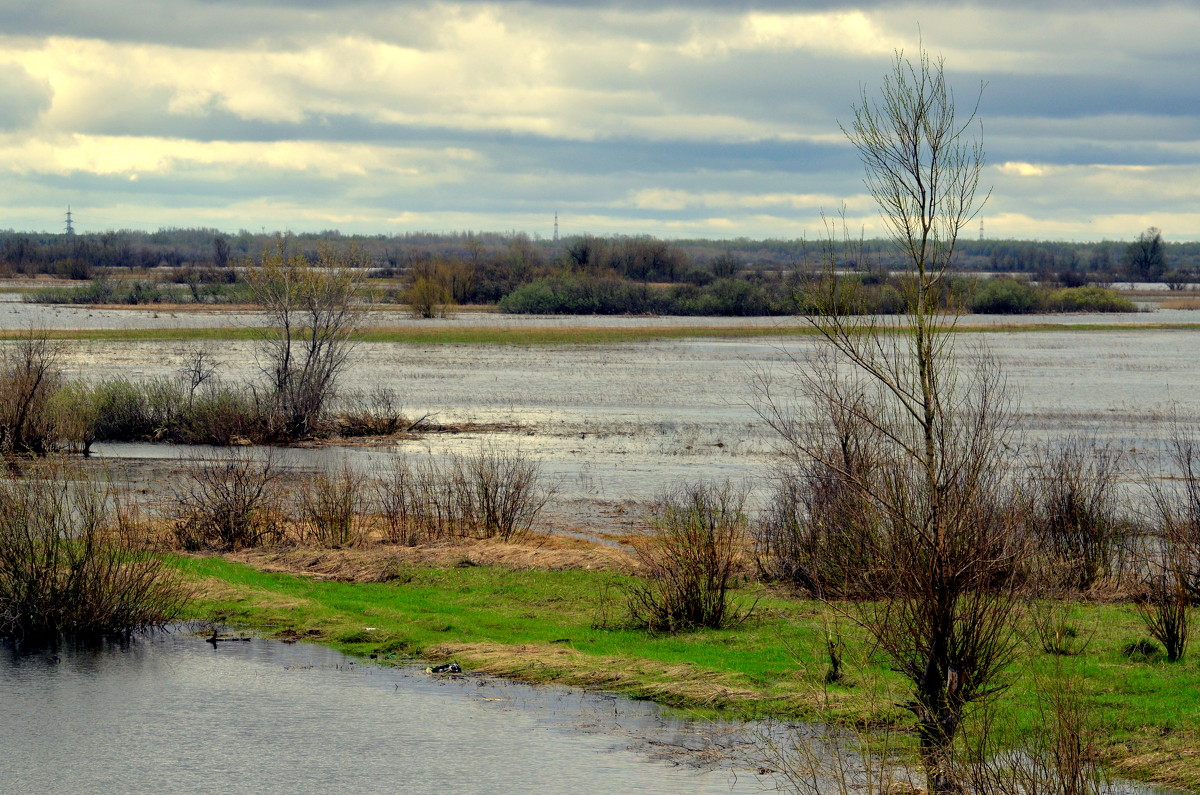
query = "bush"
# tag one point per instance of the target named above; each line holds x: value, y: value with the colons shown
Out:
x: 64, y: 567
x: 819, y: 532
x: 428, y: 298
x: 689, y: 561
x: 1074, y: 512
x: 29, y: 377
x: 228, y: 503
x: 490, y: 494
x: 1003, y: 296
x: 1088, y: 299
x: 572, y: 295
x: 331, y: 503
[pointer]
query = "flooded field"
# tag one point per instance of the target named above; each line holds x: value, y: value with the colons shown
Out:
x: 614, y: 424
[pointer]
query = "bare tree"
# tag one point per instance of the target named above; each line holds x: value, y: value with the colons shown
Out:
x: 1145, y: 258
x: 313, y: 313
x: 940, y: 596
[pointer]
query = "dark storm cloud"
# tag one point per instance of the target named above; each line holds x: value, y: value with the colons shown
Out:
x: 221, y: 23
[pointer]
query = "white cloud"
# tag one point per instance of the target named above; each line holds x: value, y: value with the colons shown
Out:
x: 678, y: 118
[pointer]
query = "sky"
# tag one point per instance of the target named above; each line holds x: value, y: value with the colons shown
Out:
x: 693, y: 118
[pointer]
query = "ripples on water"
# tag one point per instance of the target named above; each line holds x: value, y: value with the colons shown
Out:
x: 168, y: 713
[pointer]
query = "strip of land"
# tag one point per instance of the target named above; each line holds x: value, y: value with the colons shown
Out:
x: 547, y: 335
x: 554, y: 612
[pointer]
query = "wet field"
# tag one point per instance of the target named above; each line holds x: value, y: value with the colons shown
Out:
x: 614, y: 424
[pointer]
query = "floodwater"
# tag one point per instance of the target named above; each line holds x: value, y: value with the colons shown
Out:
x: 613, y: 425
x: 171, y: 713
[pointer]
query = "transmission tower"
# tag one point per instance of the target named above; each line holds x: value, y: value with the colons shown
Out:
x: 981, y: 229
x: 70, y: 230
x: 556, y: 227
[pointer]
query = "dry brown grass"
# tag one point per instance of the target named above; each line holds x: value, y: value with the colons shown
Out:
x: 677, y: 684
x: 1181, y: 302
x: 375, y: 563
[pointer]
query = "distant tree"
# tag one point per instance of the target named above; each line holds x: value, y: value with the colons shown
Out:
x: 313, y: 315
x: 220, y: 251
x: 727, y: 265
x: 1145, y: 258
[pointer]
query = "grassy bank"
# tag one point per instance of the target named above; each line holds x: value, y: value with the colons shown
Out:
x: 546, y: 335
x: 564, y: 626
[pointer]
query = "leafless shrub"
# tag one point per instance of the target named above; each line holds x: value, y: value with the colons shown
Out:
x: 332, y: 504
x: 29, y: 377
x: 1171, y: 558
x: 1175, y: 508
x: 506, y: 493
x: 820, y: 531
x: 229, y: 502
x: 1165, y: 604
x: 399, y: 499
x: 1074, y: 511
x: 198, y: 367
x: 65, y: 567
x: 373, y: 413
x: 487, y: 494
x: 1059, y: 757
x: 688, y: 562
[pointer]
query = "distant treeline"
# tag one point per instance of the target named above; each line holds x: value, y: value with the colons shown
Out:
x: 583, y: 273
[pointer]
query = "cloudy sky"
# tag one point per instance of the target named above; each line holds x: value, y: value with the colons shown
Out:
x: 693, y: 118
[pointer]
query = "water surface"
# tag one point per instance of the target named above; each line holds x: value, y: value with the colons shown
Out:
x: 168, y: 713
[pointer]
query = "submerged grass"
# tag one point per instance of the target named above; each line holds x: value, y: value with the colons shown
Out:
x: 546, y: 626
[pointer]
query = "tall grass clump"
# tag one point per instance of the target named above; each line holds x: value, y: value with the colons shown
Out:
x: 66, y: 569
x: 487, y: 494
x: 689, y: 561
x: 230, y: 502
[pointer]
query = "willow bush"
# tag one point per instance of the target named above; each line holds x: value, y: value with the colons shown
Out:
x: 67, y: 565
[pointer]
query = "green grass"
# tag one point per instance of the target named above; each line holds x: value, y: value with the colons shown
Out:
x: 544, y: 335
x: 540, y: 626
